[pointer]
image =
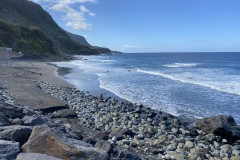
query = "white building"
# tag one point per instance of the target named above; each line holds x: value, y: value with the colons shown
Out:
x: 9, y: 49
x: 4, y: 49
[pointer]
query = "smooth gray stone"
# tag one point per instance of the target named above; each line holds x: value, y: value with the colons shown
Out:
x: 9, y: 150
x: 35, y: 156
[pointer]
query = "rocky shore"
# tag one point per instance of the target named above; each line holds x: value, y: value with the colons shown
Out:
x: 83, y: 126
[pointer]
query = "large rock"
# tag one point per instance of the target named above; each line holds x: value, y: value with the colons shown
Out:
x: 220, y: 125
x: 116, y: 134
x: 64, y: 113
x: 125, y: 154
x: 4, y: 121
x: 11, y: 111
x: 16, y: 133
x: 102, y: 135
x: 104, y: 145
x: 35, y: 156
x: 127, y: 131
x: 9, y: 150
x: 45, y: 141
x: 33, y: 120
x: 76, y: 128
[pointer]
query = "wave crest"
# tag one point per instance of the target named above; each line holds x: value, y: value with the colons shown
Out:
x: 181, y: 65
x: 228, y: 87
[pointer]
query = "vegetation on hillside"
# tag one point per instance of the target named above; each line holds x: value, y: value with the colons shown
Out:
x: 35, y: 29
x: 29, y: 40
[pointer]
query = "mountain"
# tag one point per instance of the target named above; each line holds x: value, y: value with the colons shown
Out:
x: 79, y: 39
x: 29, y: 22
x: 29, y: 40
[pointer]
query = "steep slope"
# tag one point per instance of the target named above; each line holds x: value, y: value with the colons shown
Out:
x: 27, y: 13
x: 29, y: 40
x: 79, y: 39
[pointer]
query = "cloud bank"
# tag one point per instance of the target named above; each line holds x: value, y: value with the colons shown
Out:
x: 75, y: 18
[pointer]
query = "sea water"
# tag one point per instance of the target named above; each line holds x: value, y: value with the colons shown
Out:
x: 192, y: 84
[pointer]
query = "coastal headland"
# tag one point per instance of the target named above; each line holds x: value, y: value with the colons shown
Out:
x: 44, y: 117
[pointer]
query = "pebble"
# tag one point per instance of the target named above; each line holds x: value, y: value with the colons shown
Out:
x: 157, y: 134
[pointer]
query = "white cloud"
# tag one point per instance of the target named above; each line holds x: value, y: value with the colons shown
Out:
x: 91, y: 14
x: 62, y: 8
x: 84, y: 9
x: 74, y: 18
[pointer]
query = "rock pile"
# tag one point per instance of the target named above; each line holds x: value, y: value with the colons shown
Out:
x: 28, y: 134
x: 149, y: 132
x: 94, y: 127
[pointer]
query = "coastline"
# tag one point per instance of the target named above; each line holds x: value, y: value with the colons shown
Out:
x: 149, y: 133
x: 85, y: 85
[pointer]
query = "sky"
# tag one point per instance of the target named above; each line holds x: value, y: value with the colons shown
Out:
x: 151, y: 25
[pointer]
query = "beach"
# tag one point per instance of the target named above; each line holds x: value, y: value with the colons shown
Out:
x: 110, y: 127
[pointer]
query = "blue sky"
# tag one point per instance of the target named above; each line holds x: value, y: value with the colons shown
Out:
x: 151, y: 25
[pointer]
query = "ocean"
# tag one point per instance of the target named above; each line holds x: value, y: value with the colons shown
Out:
x: 183, y: 84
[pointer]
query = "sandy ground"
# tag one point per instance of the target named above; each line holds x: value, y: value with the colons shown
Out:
x: 21, y: 76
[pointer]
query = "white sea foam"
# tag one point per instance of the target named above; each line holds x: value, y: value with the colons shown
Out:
x: 165, y: 91
x: 103, y: 61
x: 232, y: 87
x: 181, y: 65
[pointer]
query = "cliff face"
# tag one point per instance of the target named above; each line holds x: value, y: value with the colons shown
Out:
x: 30, y: 15
x: 78, y: 39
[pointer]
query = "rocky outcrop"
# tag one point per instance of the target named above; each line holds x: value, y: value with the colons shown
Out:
x: 15, y: 133
x: 33, y: 120
x: 45, y: 141
x: 35, y: 156
x: 220, y: 125
x: 11, y: 111
x: 9, y: 150
x: 4, y: 121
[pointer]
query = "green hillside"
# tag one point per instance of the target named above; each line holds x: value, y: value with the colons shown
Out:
x: 38, y: 29
x: 29, y: 40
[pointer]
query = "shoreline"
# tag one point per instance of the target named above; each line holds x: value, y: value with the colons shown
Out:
x: 95, y: 90
x: 63, y: 71
x: 150, y: 133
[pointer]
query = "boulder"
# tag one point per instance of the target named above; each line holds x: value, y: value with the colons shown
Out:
x: 102, y: 135
x: 33, y: 120
x: 118, y: 135
x: 64, y: 113
x: 12, y: 111
x: 127, y: 131
x: 105, y: 146
x: 76, y: 128
x: 35, y: 156
x: 45, y: 141
x: 125, y: 154
x: 9, y: 150
x: 4, y: 121
x: 16, y: 133
x: 220, y: 125
x: 17, y: 121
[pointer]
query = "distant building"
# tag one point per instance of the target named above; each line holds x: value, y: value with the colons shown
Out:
x: 4, y: 49
x: 9, y: 49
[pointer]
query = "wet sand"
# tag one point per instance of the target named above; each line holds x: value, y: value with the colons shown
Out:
x: 21, y: 78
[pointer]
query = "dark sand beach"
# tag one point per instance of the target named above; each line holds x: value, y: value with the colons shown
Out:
x: 100, y: 127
